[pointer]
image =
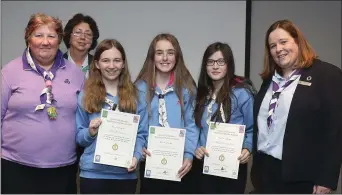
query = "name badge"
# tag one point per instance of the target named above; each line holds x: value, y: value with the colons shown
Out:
x: 304, y: 83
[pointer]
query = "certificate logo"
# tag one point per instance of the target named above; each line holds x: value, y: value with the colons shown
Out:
x: 221, y: 157
x: 234, y: 172
x: 104, y: 113
x: 212, y: 126
x: 148, y: 173
x: 164, y: 161
x: 206, y: 169
x: 135, y: 119
x: 152, y: 130
x: 97, y: 158
x: 115, y: 147
x: 241, y: 129
x: 181, y: 133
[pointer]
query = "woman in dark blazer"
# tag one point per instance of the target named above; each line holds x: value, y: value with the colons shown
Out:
x: 298, y: 117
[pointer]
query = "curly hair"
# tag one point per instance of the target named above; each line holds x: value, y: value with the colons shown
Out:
x: 76, y: 20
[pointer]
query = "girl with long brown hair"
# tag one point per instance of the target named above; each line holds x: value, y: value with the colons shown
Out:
x: 109, y: 86
x: 170, y: 93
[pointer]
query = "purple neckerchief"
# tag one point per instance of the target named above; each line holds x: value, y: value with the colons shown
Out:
x: 59, y: 63
x: 276, y: 92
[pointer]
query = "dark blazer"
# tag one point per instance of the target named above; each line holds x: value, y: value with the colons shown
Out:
x: 312, y: 146
x: 90, y: 57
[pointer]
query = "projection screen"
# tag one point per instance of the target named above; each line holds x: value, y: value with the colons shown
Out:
x: 196, y: 24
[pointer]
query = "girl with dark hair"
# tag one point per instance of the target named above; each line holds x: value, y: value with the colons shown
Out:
x: 222, y: 97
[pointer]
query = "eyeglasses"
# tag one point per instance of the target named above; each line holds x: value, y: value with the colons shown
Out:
x: 219, y: 62
x: 80, y: 33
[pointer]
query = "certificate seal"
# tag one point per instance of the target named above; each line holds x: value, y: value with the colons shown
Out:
x: 115, y: 147
x: 221, y: 157
x: 164, y: 161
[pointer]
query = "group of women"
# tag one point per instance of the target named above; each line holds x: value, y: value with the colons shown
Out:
x: 51, y: 104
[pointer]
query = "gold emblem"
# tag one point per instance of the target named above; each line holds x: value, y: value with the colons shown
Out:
x: 52, y: 112
x: 164, y: 161
x: 221, y: 157
x: 115, y: 147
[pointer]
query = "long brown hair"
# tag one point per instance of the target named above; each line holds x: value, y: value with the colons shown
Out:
x: 205, y: 84
x: 306, y: 54
x: 95, y: 91
x: 182, y: 76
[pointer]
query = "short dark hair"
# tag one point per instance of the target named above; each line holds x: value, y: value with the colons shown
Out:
x: 76, y: 20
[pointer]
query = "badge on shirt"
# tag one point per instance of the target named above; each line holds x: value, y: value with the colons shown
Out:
x: 304, y: 83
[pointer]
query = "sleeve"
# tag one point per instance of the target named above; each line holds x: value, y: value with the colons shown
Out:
x: 143, y: 127
x: 6, y: 93
x: 247, y: 111
x: 83, y: 137
x: 331, y: 97
x: 192, y: 132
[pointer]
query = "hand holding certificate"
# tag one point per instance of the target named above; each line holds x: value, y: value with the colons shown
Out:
x: 116, y: 139
x: 166, y: 146
x: 224, y: 145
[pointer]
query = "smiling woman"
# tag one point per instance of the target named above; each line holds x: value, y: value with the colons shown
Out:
x: 81, y: 34
x: 43, y: 36
x: 44, y: 45
x: 297, y: 114
x: 38, y: 102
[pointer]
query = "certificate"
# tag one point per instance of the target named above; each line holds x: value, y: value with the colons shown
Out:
x: 224, y: 145
x: 166, y: 146
x: 116, y: 138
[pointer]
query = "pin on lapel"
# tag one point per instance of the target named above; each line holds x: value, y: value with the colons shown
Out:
x: 305, y: 83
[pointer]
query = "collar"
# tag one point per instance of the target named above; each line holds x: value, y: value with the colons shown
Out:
x: 59, y: 60
x: 278, y: 78
x: 85, y: 61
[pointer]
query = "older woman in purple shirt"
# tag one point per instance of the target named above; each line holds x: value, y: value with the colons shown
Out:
x: 38, y: 105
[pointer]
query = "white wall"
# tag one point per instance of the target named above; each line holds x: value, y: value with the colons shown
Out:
x: 135, y: 24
